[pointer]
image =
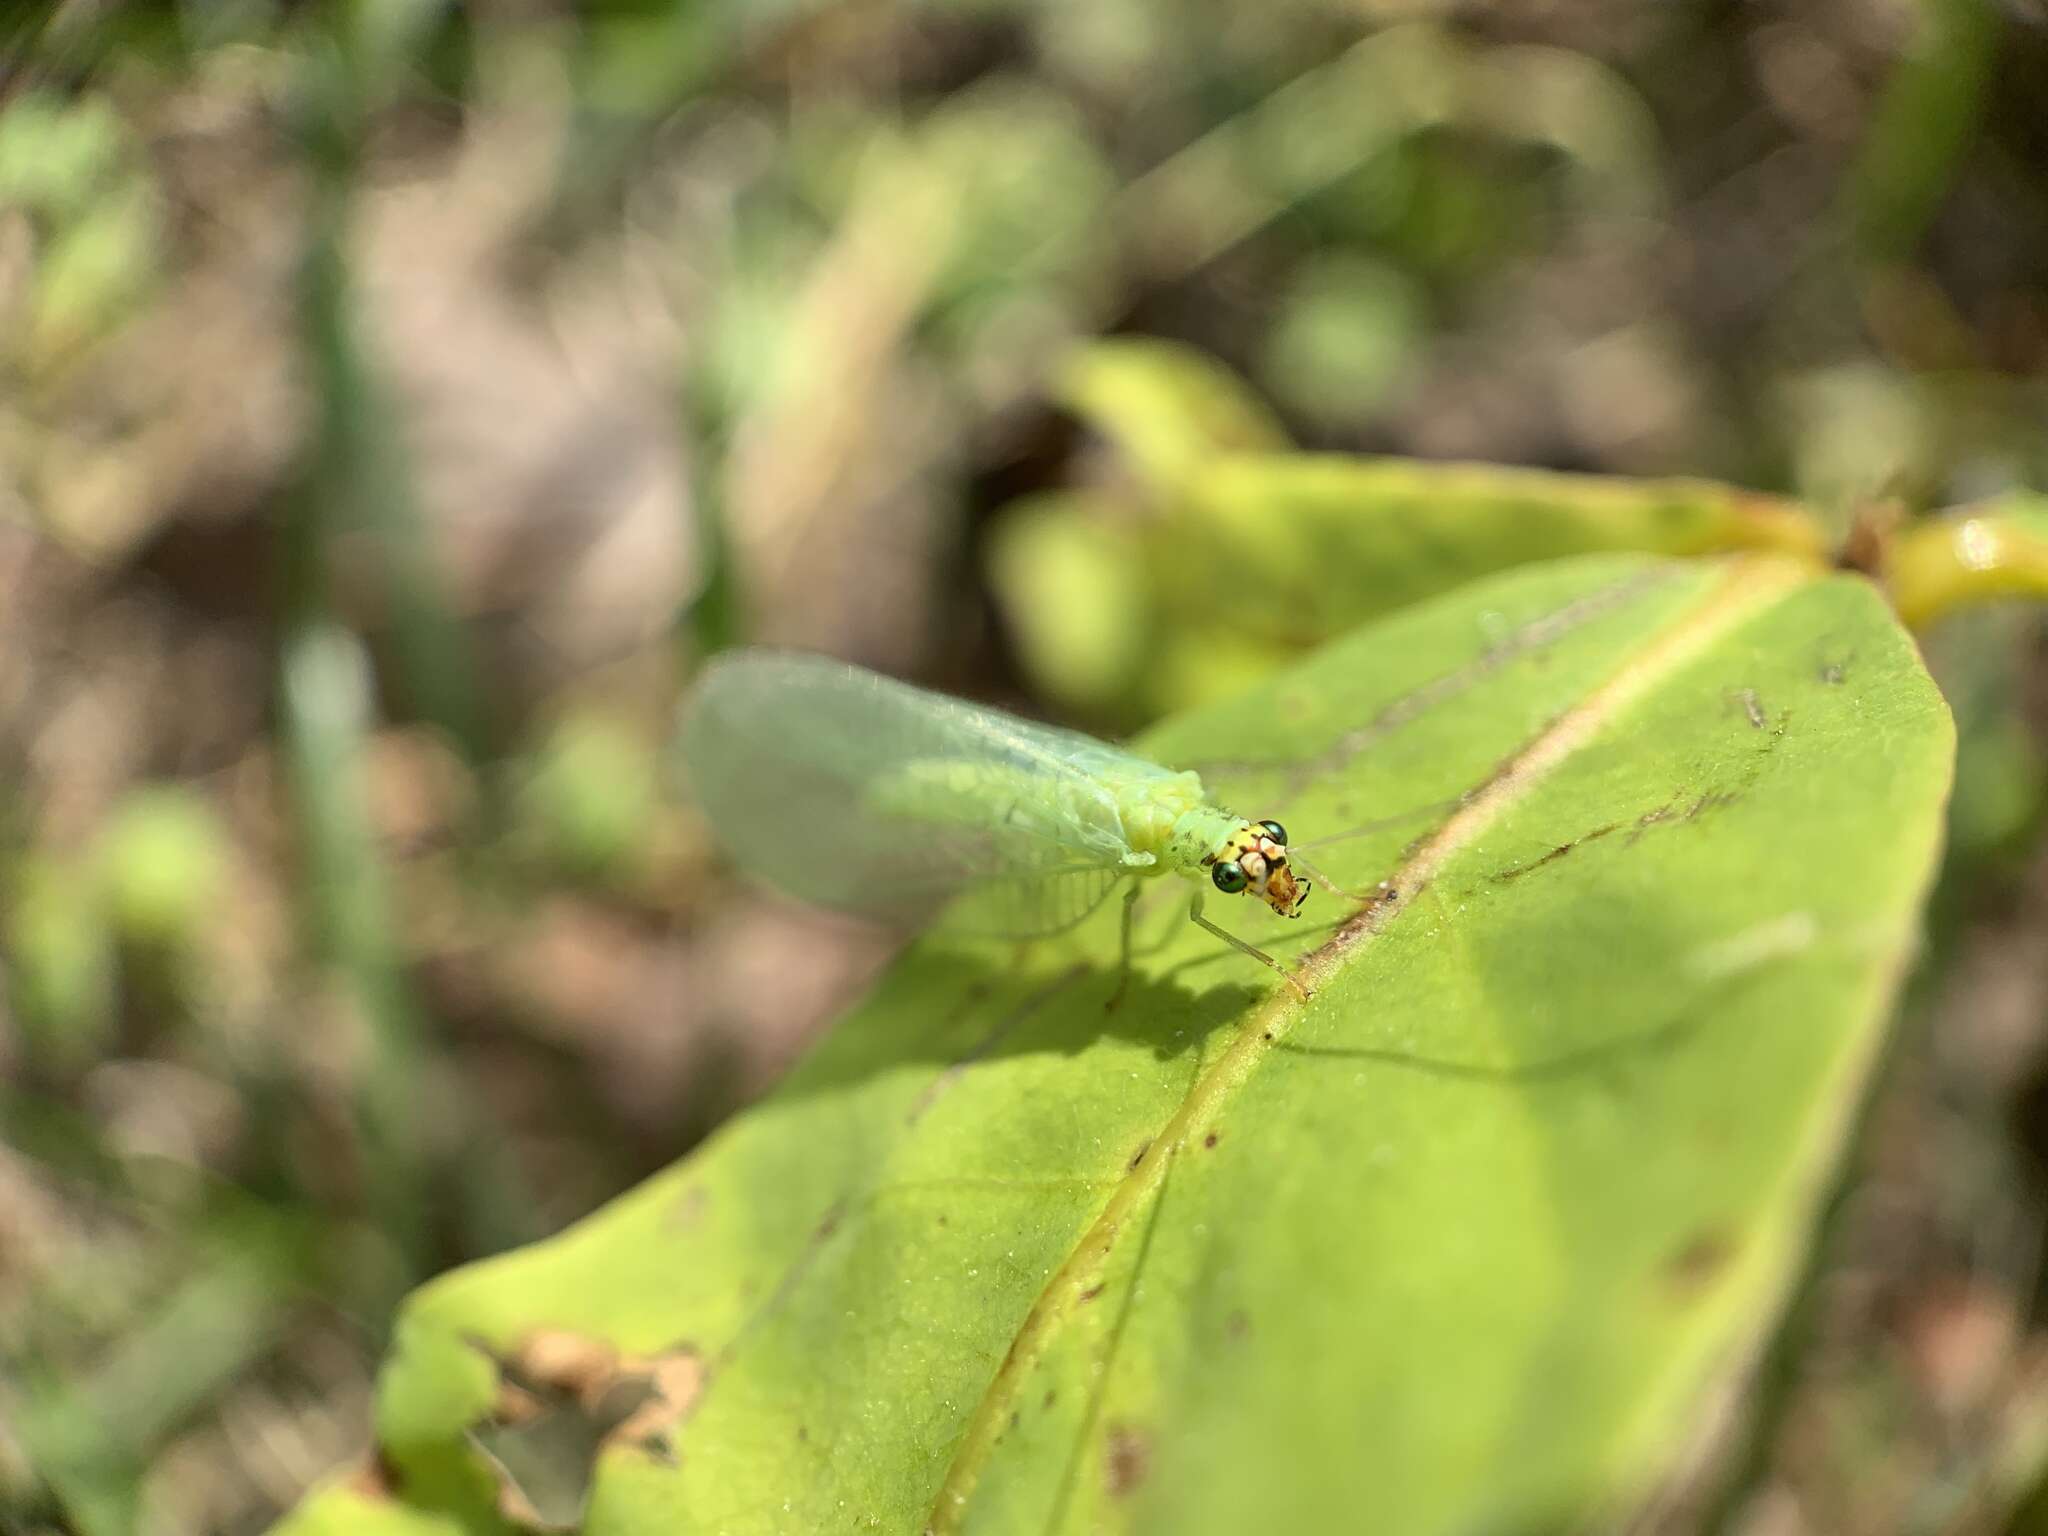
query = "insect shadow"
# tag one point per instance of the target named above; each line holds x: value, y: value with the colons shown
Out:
x: 958, y: 1010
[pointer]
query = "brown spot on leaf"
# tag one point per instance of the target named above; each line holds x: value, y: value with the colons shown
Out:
x: 1867, y: 545
x: 375, y: 1478
x: 516, y: 1405
x: 1138, y: 1156
x: 674, y: 1380
x: 1649, y: 819
x: 1094, y: 1290
x: 563, y: 1400
x: 1237, y: 1324
x: 1702, y: 1258
x: 1712, y: 800
x: 1127, y: 1459
x: 1678, y: 809
x: 1557, y: 853
x: 1210, y: 1139
x: 571, y: 1363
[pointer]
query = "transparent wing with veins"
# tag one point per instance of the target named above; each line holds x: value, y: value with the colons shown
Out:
x: 852, y: 791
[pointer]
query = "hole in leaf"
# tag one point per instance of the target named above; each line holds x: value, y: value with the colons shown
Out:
x: 564, y: 1400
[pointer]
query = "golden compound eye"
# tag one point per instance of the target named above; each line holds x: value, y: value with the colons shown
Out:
x: 1230, y: 878
x: 1275, y: 831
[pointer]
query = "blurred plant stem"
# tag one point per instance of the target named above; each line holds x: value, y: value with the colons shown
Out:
x: 715, y: 618
x: 356, y: 486
x: 359, y: 483
x: 1925, y: 119
x: 326, y: 706
x: 1969, y: 557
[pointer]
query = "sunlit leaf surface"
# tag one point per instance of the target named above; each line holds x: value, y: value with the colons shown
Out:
x: 1467, y: 1242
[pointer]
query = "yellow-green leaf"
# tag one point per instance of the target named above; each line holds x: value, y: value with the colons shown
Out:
x: 1265, y: 555
x: 1311, y: 544
x: 1168, y: 408
x: 1473, y: 1240
x: 345, y: 1510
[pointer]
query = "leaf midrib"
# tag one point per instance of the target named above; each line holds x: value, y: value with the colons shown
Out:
x: 1748, y: 586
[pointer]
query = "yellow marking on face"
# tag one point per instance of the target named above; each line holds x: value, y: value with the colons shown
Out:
x: 1268, y: 875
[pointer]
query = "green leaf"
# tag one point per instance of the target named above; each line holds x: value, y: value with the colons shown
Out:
x: 1168, y: 408
x: 1316, y: 543
x: 1472, y: 1240
x: 1264, y: 555
x: 1217, y: 554
x: 1073, y: 584
x: 342, y: 1510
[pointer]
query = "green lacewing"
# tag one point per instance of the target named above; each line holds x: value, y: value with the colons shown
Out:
x: 852, y: 791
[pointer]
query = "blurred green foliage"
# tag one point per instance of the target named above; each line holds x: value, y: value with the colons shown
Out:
x: 60, y: 964
x: 162, y: 861
x: 73, y: 170
x: 1349, y: 332
x: 346, y: 935
x: 1216, y: 555
x: 588, y: 798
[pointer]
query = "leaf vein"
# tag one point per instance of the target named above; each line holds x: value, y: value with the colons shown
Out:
x: 1748, y: 586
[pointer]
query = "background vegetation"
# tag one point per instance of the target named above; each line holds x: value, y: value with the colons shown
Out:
x: 398, y: 397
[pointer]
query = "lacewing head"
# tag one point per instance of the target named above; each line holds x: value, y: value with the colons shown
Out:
x: 1253, y: 860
